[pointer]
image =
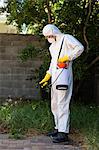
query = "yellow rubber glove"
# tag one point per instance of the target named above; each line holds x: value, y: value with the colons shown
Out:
x: 63, y: 59
x: 46, y: 78
x: 44, y: 84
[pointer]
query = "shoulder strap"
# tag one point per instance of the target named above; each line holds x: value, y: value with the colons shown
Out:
x: 61, y: 47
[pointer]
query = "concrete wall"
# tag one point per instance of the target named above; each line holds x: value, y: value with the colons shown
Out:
x: 4, y: 28
x: 13, y: 73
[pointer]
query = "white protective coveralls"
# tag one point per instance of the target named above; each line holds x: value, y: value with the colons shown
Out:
x: 60, y: 99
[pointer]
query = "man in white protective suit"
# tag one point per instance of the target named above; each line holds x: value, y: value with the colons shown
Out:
x: 64, y: 49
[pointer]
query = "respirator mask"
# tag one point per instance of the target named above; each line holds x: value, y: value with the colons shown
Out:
x: 51, y: 40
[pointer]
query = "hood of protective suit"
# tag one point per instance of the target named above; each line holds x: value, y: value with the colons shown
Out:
x: 51, y: 29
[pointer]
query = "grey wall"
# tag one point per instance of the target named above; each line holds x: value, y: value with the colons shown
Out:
x: 13, y: 73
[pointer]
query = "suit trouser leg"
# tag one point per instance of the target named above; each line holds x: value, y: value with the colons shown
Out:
x: 54, y: 107
x: 63, y: 98
x: 60, y: 100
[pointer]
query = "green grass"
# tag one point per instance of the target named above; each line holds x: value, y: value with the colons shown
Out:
x: 21, y: 116
x: 86, y: 119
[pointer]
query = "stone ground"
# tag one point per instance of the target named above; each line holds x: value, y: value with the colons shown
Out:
x: 40, y: 142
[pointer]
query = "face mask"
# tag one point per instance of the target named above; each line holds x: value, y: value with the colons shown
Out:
x: 51, y: 40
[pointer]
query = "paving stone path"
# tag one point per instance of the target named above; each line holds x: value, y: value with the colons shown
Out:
x: 35, y: 143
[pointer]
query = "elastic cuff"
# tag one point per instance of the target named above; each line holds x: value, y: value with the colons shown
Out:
x: 48, y: 72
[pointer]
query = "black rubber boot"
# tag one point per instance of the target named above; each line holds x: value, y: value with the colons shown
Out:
x: 54, y: 133
x: 61, y: 137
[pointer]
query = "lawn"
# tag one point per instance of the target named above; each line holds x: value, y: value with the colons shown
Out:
x: 22, y: 118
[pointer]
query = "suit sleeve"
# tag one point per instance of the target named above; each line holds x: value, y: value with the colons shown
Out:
x: 76, y: 48
x: 50, y: 68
